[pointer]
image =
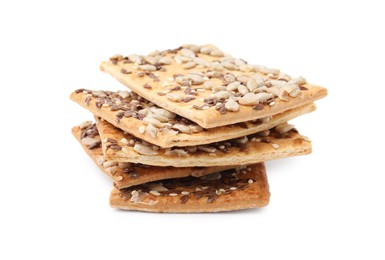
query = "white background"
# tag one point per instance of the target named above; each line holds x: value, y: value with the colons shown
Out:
x: 54, y: 201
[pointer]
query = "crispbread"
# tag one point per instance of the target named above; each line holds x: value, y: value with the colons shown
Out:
x: 178, y: 89
x: 127, y: 174
x: 103, y: 104
x: 268, y: 145
x: 232, y: 190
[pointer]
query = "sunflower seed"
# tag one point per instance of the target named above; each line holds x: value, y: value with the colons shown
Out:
x: 201, y: 62
x: 283, y: 95
x: 144, y: 149
x: 252, y: 84
x: 178, y: 152
x: 124, y: 93
x: 189, y: 65
x: 182, y: 128
x: 245, y: 68
x: 178, y: 59
x: 164, y: 61
x: 89, y: 141
x: 263, y: 97
x: 243, y: 79
x: 161, y: 118
x: 187, y: 53
x: 99, y: 93
x: 284, y: 128
x: 100, y: 160
x: 223, y: 94
x: 269, y: 70
x: 193, y: 47
x: 229, y: 78
x: 298, y: 81
x: 206, y: 49
x: 152, y: 59
x: 243, y: 90
x: 135, y: 59
x: 85, y: 124
x: 229, y: 66
x: 207, y: 149
x: 195, y: 79
x: 162, y: 112
x: 108, y: 164
x: 155, y: 193
x: 284, y: 77
x: 217, y: 53
x: 155, y: 122
x: 232, y: 105
x: 233, y: 86
x: 250, y: 99
x: 148, y: 67
x: 208, y: 84
x: 292, y: 90
x: 174, y: 97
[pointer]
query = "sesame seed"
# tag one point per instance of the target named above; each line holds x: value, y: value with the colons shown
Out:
x: 275, y: 146
x: 173, y: 194
x: 119, y: 178
x: 233, y: 188
x: 250, y: 181
x: 185, y: 193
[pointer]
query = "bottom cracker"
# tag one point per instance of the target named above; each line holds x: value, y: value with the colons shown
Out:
x: 236, y: 189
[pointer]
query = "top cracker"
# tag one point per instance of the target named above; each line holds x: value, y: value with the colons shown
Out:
x: 210, y: 87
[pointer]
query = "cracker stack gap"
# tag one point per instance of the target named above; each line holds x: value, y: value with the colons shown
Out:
x: 193, y: 130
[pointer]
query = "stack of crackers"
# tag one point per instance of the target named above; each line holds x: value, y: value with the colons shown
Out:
x: 193, y: 130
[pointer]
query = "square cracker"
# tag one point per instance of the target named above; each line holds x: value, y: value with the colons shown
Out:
x: 119, y: 146
x: 128, y: 174
x: 231, y: 190
x: 201, y: 92
x: 173, y: 130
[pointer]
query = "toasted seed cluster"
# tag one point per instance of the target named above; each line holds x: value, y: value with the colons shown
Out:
x: 232, y: 82
x: 89, y: 135
x: 89, y: 131
x: 209, y: 187
x: 128, y: 104
x: 145, y: 148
